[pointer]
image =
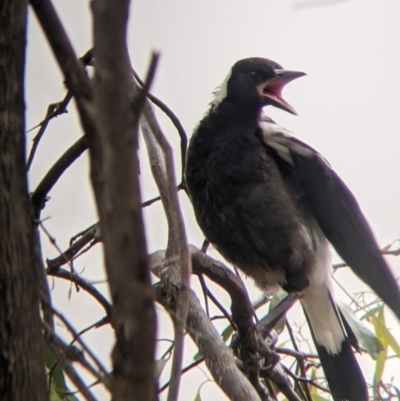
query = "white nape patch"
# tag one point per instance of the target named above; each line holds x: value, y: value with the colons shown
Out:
x: 282, y: 140
x: 317, y: 300
x: 220, y: 92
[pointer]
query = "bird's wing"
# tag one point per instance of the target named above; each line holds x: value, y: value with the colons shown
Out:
x: 336, y: 211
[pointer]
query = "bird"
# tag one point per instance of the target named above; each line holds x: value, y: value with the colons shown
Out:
x: 271, y: 205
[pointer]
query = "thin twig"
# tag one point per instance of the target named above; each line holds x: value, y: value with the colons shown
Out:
x: 174, y: 119
x: 205, y: 290
x: 94, y: 325
x: 53, y: 110
x: 305, y: 380
x: 102, y: 375
x: 295, y: 354
x: 53, y: 175
x: 54, y: 243
x: 384, y: 251
x: 184, y: 370
x: 139, y: 102
x: 300, y: 361
x: 221, y: 308
x: 90, y: 236
x: 157, y: 198
x: 60, y: 352
x: 84, y: 284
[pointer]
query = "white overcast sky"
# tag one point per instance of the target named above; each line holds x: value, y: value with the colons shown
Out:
x: 348, y: 104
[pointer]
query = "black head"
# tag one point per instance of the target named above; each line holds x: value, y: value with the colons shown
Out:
x: 257, y: 82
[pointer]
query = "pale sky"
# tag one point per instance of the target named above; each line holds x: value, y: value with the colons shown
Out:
x: 348, y: 106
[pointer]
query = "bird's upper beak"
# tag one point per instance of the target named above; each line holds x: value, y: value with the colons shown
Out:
x: 271, y: 90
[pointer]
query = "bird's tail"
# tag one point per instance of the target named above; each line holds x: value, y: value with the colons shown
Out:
x: 339, y: 363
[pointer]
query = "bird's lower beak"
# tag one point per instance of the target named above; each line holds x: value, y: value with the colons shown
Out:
x: 271, y: 90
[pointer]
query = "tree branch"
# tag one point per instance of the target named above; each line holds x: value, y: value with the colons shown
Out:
x: 118, y: 200
x: 53, y: 175
x: 90, y: 235
x: 100, y: 374
x: 82, y: 283
x: 218, y: 358
x: 175, y: 121
x: 250, y: 345
x: 178, y: 273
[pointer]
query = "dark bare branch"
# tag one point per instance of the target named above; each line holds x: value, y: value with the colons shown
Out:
x: 91, y: 235
x: 100, y: 373
x: 84, y: 284
x: 54, y: 110
x: 39, y: 196
x: 184, y: 370
x: 75, y: 76
x: 118, y: 199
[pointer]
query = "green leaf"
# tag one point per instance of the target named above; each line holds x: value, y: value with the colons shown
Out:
x: 160, y: 365
x: 379, y: 324
x: 58, y: 389
x: 317, y: 397
x: 227, y: 333
x: 198, y: 356
x: 198, y: 397
x: 276, y: 299
x: 390, y: 340
x: 385, y: 336
x: 364, y: 335
x: 380, y: 366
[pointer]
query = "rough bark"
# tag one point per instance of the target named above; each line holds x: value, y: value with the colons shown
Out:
x: 22, y: 374
x: 119, y: 205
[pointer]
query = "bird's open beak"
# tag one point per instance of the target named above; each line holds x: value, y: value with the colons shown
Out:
x: 272, y: 89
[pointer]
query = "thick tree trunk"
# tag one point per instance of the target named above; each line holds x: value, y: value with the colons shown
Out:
x: 22, y: 374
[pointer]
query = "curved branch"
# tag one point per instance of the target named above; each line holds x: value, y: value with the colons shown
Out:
x: 53, y: 175
x: 74, y: 278
x: 162, y: 166
x: 174, y: 119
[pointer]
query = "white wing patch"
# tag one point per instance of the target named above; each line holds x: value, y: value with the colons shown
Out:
x: 318, y: 297
x: 282, y: 140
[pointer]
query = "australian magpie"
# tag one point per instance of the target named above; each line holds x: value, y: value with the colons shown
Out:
x: 270, y: 204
